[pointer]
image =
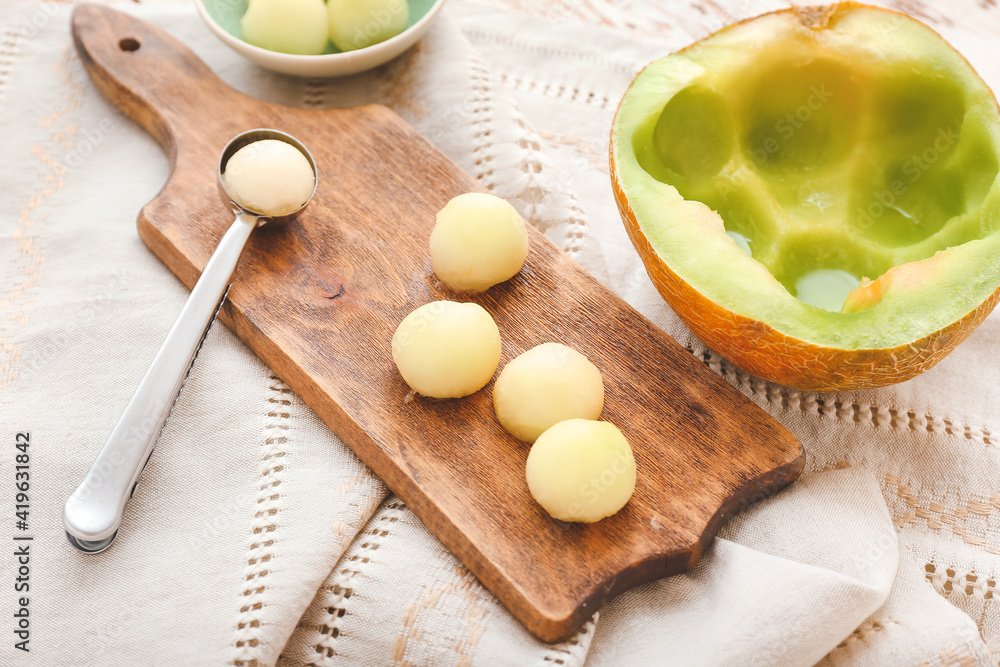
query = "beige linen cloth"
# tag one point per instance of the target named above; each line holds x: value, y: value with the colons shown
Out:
x: 257, y: 538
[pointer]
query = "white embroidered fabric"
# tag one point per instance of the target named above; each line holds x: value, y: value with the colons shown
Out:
x: 258, y: 538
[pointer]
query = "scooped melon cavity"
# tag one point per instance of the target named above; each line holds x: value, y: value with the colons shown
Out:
x: 845, y: 147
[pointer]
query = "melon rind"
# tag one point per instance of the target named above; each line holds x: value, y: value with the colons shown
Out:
x: 943, y: 281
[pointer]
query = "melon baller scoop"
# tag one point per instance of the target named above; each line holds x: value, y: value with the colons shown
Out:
x: 93, y: 513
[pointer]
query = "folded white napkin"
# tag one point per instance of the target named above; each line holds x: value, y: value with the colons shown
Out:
x: 256, y: 537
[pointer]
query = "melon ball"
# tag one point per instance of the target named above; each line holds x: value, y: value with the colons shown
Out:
x: 547, y: 384
x: 270, y: 177
x: 446, y: 349
x: 289, y: 26
x: 479, y: 240
x: 355, y: 24
x: 581, y: 470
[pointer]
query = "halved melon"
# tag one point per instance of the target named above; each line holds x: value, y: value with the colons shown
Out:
x: 815, y: 193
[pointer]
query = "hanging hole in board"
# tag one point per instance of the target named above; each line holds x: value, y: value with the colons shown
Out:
x: 129, y: 44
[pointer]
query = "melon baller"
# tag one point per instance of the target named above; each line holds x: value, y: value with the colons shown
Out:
x: 93, y: 513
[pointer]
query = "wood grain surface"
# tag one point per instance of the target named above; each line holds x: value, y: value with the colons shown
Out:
x: 319, y: 298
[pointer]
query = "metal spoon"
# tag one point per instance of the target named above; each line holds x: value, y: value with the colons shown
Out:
x: 93, y: 513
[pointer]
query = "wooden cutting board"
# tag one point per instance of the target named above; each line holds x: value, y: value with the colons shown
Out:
x: 319, y: 299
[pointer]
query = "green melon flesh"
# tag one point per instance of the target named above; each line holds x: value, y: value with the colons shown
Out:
x: 853, y: 148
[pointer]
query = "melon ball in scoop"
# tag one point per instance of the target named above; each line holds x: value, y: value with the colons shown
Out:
x: 479, y: 240
x: 270, y: 177
x: 289, y: 26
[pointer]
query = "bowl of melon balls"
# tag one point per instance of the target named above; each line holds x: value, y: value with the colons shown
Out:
x: 550, y: 396
x: 319, y: 38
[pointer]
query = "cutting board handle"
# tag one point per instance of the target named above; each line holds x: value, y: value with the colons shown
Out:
x: 151, y: 76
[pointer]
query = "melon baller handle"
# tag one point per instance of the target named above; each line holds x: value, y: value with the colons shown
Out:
x: 93, y: 512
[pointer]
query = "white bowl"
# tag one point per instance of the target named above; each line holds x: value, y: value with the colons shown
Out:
x: 223, y: 20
